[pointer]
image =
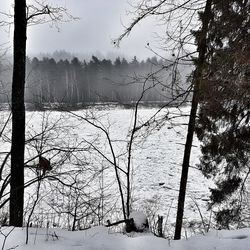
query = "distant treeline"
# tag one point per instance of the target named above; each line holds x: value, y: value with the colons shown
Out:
x: 64, y: 81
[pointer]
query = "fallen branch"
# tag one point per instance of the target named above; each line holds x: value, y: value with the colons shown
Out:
x: 115, y: 223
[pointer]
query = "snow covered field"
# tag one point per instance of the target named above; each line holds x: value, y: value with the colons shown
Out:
x: 99, y: 238
x: 156, y: 160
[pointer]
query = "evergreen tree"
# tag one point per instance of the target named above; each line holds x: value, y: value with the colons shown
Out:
x: 76, y: 72
x: 124, y: 63
x: 223, y: 124
x: 117, y: 62
x: 134, y: 63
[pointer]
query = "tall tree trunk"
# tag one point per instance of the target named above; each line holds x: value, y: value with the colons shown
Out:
x: 18, y: 116
x: 191, y: 125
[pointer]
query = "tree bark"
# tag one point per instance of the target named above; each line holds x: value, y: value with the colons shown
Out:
x: 18, y: 116
x: 201, y: 47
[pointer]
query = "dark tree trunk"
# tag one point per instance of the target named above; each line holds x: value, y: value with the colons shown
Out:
x: 191, y: 125
x: 18, y: 116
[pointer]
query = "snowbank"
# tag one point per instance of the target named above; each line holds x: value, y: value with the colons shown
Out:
x: 100, y: 238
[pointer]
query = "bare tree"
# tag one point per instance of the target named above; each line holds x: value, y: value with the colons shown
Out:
x: 169, y: 13
x: 22, y: 15
x: 18, y: 116
x: 197, y: 78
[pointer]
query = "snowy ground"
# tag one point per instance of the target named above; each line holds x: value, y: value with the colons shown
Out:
x: 156, y: 161
x: 99, y: 238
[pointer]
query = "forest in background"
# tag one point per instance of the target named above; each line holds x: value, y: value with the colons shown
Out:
x: 99, y: 80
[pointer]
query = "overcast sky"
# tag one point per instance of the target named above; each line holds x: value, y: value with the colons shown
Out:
x: 100, y: 22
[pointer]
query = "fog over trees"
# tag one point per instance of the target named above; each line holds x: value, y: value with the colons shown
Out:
x: 98, y: 80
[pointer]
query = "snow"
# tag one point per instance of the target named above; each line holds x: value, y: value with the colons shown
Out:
x: 140, y: 219
x: 156, y: 166
x: 156, y: 174
x: 101, y: 238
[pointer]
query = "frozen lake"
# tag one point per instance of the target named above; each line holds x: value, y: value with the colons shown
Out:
x: 80, y: 153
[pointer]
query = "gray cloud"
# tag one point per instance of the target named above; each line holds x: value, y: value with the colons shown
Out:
x: 100, y: 22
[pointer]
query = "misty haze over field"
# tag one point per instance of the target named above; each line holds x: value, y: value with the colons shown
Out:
x: 98, y: 80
